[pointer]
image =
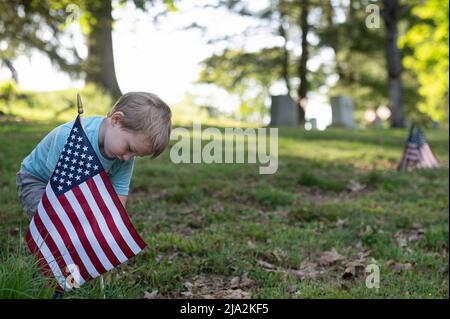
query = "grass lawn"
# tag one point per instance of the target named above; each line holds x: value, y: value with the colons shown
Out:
x: 336, y: 205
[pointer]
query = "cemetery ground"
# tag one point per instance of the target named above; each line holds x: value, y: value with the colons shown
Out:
x: 335, y: 205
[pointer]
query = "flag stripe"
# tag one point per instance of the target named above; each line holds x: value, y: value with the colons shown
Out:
x: 121, y: 241
x: 87, y: 229
x: 76, y: 233
x: 118, y: 212
x: 35, y: 251
x: 67, y: 251
x: 99, y: 228
x: 62, y: 259
x: 40, y: 243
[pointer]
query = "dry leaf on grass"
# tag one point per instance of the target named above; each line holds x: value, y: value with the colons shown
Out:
x: 228, y: 294
x: 150, y: 295
x: 266, y: 265
x: 399, y: 267
x: 329, y: 257
x: 308, y: 270
x: 406, y: 236
x: 355, y: 186
x: 241, y: 282
x: 353, y: 269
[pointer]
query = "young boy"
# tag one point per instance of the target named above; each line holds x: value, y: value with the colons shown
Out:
x: 139, y: 124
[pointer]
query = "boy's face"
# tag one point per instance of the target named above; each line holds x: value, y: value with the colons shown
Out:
x: 121, y: 144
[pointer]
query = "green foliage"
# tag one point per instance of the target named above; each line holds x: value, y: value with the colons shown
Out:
x: 428, y: 41
x: 52, y: 105
x: 20, y: 277
x: 217, y: 222
x: 21, y: 25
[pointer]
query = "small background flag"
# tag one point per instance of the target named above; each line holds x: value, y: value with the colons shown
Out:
x: 80, y: 229
x: 417, y: 152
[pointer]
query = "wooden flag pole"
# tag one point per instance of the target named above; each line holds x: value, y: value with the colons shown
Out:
x: 79, y: 104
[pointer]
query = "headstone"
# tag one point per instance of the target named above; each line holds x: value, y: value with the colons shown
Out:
x: 313, y: 123
x: 283, y: 111
x: 378, y: 123
x: 342, y: 111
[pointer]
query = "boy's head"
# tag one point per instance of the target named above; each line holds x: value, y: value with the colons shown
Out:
x: 139, y: 124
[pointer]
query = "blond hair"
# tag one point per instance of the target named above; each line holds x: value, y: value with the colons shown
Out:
x: 145, y: 113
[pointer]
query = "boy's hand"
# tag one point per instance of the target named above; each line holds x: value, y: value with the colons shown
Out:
x: 123, y: 200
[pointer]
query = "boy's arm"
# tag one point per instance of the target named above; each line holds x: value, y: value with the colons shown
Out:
x: 123, y: 200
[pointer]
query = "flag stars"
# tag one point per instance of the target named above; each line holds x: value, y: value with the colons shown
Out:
x: 79, y: 170
x: 78, y: 146
x: 95, y: 167
x: 86, y: 172
x: 77, y: 177
x: 85, y: 148
x: 55, y: 178
x: 70, y: 175
x: 75, y: 129
x: 63, y: 173
x: 79, y: 139
x: 83, y: 155
x: 88, y: 165
x: 60, y: 188
x: 61, y: 180
x: 65, y: 166
x: 90, y: 157
x: 74, y: 161
x: 81, y: 163
x: 72, y: 168
x: 75, y: 154
x: 71, y: 144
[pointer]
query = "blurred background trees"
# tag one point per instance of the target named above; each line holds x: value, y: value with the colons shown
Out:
x: 390, y: 53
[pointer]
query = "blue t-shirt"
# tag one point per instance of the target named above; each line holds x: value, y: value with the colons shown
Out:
x: 41, y: 162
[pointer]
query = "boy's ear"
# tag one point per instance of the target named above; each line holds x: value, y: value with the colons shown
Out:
x: 117, y: 117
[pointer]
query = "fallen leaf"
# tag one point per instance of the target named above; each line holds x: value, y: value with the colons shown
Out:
x: 307, y: 270
x: 329, y: 257
x: 341, y: 223
x: 266, y: 265
x: 399, y: 267
x: 228, y: 294
x: 355, y: 186
x: 150, y: 295
x: 406, y: 236
x: 353, y: 269
x: 279, y: 254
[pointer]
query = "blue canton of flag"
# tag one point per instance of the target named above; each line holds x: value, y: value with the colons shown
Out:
x: 77, y: 162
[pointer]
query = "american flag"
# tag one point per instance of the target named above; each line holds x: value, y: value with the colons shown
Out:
x: 80, y: 229
x: 417, y: 152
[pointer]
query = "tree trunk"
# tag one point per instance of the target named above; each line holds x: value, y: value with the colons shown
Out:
x: 100, y: 61
x: 302, y: 70
x: 391, y: 15
x: 285, y: 66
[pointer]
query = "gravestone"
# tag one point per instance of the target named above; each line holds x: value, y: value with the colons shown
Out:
x: 283, y: 111
x: 342, y: 111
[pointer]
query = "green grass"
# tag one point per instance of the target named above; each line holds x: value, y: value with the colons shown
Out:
x: 216, y: 222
